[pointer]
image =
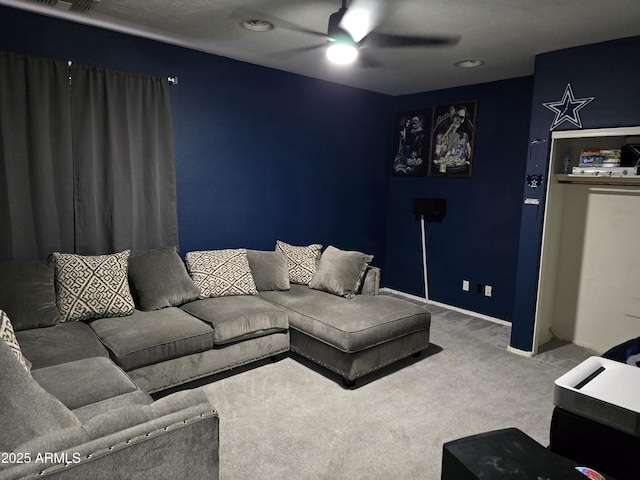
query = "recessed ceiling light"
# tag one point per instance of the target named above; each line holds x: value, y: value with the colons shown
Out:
x: 257, y: 25
x: 469, y: 63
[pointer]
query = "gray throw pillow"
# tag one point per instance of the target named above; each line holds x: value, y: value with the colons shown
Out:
x: 340, y: 272
x: 28, y: 294
x: 160, y: 279
x: 270, y: 270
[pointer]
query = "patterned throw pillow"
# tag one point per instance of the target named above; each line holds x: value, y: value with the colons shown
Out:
x: 218, y: 273
x: 302, y: 261
x: 90, y: 287
x: 7, y: 334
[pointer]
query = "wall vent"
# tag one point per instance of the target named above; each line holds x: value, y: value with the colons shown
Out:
x: 73, y: 5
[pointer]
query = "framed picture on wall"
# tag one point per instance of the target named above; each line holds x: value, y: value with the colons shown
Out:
x: 410, y: 145
x: 452, y: 135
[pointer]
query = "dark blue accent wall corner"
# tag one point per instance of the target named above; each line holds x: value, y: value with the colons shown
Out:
x: 478, y: 238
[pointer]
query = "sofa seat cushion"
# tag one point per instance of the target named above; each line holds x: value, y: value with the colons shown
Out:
x: 27, y: 411
x: 350, y: 325
x: 238, y: 318
x: 84, y: 382
x: 145, y: 338
x: 62, y: 343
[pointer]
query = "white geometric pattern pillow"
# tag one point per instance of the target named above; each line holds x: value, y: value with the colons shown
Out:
x: 302, y: 261
x: 94, y: 286
x: 7, y: 334
x: 218, y: 273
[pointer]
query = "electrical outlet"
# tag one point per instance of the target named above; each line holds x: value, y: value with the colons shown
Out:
x: 488, y: 289
x: 479, y: 288
x: 465, y: 285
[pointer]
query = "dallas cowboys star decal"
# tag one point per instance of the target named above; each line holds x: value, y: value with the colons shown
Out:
x: 567, y: 109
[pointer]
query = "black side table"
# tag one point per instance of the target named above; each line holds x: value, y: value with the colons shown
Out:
x: 504, y: 454
x: 609, y: 451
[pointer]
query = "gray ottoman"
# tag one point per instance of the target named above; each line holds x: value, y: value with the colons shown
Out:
x: 352, y: 337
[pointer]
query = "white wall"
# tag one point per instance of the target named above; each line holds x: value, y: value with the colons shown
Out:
x: 597, y: 298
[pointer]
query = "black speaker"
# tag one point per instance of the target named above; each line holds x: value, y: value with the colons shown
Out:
x: 433, y: 209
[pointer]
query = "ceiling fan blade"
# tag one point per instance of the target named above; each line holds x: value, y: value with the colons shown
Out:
x: 292, y: 52
x: 390, y: 40
x: 363, y: 16
x: 366, y: 60
x: 294, y: 27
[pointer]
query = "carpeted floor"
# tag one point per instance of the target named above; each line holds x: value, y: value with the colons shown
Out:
x: 292, y: 420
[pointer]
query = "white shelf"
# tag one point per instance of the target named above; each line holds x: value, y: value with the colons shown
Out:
x: 623, y: 181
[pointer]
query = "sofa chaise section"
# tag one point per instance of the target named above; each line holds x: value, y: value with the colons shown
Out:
x: 356, y: 336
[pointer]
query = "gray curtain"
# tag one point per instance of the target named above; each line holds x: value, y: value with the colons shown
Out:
x: 86, y: 160
x: 123, y: 154
x: 36, y: 188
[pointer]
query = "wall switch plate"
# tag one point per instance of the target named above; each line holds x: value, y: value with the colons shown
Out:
x: 488, y: 289
x: 465, y: 285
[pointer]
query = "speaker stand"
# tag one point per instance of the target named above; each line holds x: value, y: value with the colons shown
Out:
x: 424, y: 257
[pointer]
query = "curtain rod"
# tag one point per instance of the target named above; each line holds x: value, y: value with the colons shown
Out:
x: 171, y: 80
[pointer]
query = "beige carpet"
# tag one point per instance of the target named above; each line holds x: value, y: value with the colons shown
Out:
x: 291, y: 420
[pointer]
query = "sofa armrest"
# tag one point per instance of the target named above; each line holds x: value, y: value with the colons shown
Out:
x: 371, y: 282
x: 181, y: 437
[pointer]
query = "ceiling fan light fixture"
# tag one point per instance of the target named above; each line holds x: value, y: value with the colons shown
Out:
x: 469, y: 63
x: 341, y: 53
x: 358, y: 22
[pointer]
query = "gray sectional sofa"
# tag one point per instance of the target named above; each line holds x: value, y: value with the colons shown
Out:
x: 99, y: 334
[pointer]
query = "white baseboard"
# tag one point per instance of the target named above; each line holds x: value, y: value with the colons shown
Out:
x: 511, y: 349
x: 450, y: 307
x: 517, y: 351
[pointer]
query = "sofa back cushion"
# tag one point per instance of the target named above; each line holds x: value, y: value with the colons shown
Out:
x: 28, y: 411
x: 270, y: 270
x: 27, y: 294
x: 160, y: 279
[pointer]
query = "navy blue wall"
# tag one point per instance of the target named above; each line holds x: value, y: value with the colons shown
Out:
x: 607, y: 71
x: 261, y: 154
x: 478, y: 238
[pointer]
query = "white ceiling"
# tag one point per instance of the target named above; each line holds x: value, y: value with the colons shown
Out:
x: 506, y: 34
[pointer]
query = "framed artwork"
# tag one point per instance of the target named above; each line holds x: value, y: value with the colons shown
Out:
x: 410, y: 146
x: 452, y: 135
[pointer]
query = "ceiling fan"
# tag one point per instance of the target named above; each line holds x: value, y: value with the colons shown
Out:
x: 351, y: 30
